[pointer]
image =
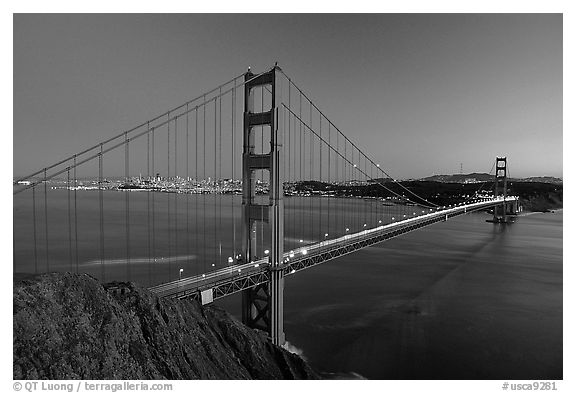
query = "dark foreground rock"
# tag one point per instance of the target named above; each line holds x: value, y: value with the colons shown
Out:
x: 68, y: 326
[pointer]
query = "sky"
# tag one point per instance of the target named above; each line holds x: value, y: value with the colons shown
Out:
x: 420, y: 93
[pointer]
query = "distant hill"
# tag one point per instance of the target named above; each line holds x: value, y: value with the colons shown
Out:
x: 543, y: 179
x: 483, y: 177
x: 461, y: 178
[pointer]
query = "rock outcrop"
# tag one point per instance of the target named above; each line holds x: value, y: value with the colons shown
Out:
x: 70, y: 326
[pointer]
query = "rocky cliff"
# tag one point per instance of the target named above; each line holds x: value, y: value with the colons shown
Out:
x: 69, y: 326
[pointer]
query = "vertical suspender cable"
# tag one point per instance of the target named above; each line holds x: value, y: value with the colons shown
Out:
x: 365, y: 191
x: 196, y: 235
x: 177, y: 186
x: 220, y: 173
x: 187, y: 184
x: 345, y: 177
x: 169, y: 210
x: 288, y: 119
x: 286, y: 128
x: 320, y: 178
x: 302, y: 171
x: 233, y: 176
x: 262, y: 172
x: 311, y: 167
x: 69, y: 218
x: 75, y: 214
x: 329, y: 184
x: 152, y: 164
x: 46, y: 220
x: 215, y: 185
x: 148, y: 211
x: 127, y: 201
x: 34, y: 225
x: 204, y: 182
x: 101, y: 202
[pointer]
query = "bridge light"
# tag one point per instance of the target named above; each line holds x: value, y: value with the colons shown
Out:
x: 364, y: 225
x: 257, y: 265
x: 393, y: 218
x: 347, y: 229
x: 378, y: 165
x: 404, y: 216
x: 292, y: 254
x: 266, y: 252
x: 203, y: 275
x: 354, y: 165
x: 212, y: 265
x: 325, y: 235
x: 293, y: 271
x: 239, y: 270
x: 304, y: 252
x: 379, y: 221
x: 230, y: 259
x: 301, y: 241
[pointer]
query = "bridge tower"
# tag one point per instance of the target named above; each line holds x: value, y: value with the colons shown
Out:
x: 500, y: 189
x: 263, y: 305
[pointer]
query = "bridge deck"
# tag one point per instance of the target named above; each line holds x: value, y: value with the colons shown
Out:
x: 235, y: 278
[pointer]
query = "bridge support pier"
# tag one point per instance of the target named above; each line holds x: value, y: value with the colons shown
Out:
x: 263, y: 305
x: 503, y: 211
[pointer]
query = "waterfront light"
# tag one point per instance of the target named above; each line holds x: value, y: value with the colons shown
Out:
x: 266, y: 252
x: 304, y: 252
x: 230, y: 259
x: 301, y: 241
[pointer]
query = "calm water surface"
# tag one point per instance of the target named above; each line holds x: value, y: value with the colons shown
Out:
x: 456, y: 300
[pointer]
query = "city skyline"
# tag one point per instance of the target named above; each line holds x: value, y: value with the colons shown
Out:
x: 420, y: 94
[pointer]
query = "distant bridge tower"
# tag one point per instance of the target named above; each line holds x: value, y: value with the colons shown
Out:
x: 263, y: 305
x: 500, y: 189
